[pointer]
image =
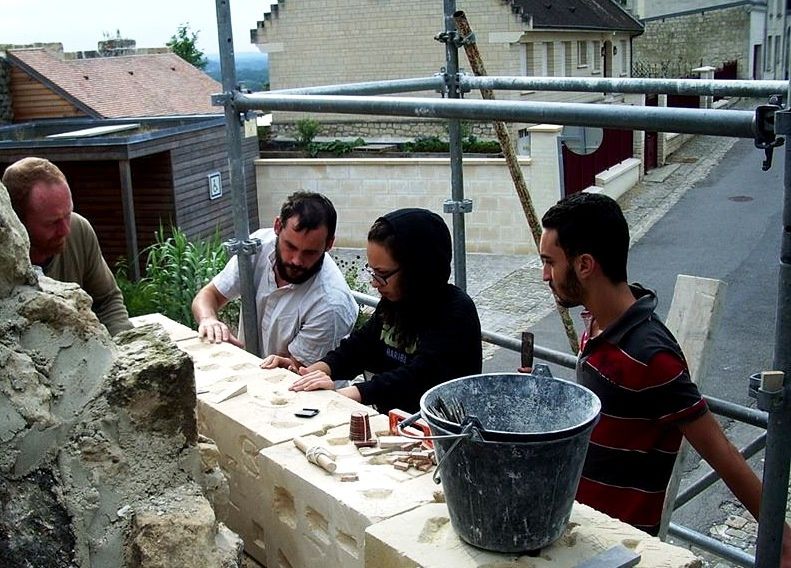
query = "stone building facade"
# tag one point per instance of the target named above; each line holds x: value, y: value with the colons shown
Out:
x: 682, y: 35
x: 367, y: 40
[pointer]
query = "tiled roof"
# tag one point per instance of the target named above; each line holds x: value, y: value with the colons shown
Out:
x: 576, y: 14
x: 128, y: 86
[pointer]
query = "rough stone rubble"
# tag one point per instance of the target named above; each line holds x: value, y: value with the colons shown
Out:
x: 99, y: 453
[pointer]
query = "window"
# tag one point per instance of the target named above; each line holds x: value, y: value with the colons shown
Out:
x: 523, y: 142
x: 596, y: 56
x: 769, y: 55
x: 529, y: 66
x: 550, y: 58
x: 778, y: 58
x: 624, y: 57
x: 582, y: 52
x: 567, y: 61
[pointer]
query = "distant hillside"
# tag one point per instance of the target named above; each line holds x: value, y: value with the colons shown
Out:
x: 252, y: 69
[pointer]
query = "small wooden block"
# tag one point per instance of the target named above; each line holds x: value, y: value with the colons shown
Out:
x: 349, y: 477
x: 393, y: 441
x: 426, y: 454
x: 369, y: 452
x: 365, y: 443
x: 401, y: 466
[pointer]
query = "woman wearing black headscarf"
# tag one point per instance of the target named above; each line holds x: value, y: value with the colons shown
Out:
x: 424, y: 331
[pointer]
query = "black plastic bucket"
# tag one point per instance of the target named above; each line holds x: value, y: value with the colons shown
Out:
x: 511, y: 476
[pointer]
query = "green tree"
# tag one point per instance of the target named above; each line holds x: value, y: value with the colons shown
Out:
x: 183, y: 45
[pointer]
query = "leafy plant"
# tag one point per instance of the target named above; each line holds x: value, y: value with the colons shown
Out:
x: 307, y: 130
x: 351, y: 273
x: 471, y: 144
x: 176, y: 269
x: 336, y: 147
x: 426, y: 144
x: 184, y: 44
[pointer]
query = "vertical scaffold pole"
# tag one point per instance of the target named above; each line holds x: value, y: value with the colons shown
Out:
x: 242, y: 246
x: 771, y: 520
x: 457, y: 206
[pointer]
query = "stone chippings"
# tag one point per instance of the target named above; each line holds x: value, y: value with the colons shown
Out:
x: 99, y: 457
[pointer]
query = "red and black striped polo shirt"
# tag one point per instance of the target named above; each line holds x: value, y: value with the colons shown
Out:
x: 637, y: 369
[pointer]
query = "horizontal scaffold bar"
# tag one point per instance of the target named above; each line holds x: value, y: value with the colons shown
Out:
x: 691, y: 121
x: 434, y: 83
x: 715, y: 87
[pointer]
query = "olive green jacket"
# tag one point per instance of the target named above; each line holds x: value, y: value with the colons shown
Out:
x: 82, y: 262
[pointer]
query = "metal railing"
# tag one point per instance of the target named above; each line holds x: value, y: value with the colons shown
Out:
x: 763, y: 126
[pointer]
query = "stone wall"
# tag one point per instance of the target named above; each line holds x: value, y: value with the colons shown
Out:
x: 6, y: 109
x: 363, y: 511
x: 362, y: 189
x: 385, y: 129
x: 672, y: 47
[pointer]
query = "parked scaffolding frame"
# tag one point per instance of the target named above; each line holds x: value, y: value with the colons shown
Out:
x: 765, y: 126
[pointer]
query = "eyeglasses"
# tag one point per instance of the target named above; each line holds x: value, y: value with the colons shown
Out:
x: 377, y: 277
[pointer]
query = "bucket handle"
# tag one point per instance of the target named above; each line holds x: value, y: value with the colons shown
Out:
x: 412, y: 419
x: 466, y: 432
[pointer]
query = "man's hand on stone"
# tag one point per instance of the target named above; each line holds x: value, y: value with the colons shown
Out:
x: 312, y: 380
x: 216, y: 331
x: 276, y: 361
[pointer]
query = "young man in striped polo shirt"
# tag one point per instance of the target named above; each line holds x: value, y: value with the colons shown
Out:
x: 636, y: 367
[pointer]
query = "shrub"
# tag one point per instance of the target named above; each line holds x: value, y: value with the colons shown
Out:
x: 176, y: 269
x: 469, y: 144
x: 307, y: 130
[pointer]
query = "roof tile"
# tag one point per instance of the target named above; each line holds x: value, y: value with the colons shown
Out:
x: 128, y: 86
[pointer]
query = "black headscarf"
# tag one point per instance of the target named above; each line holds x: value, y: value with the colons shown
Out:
x: 421, y: 245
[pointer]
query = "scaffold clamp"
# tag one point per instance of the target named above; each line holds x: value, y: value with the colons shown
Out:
x: 463, y: 206
x: 248, y: 247
x: 765, y: 137
x: 220, y: 99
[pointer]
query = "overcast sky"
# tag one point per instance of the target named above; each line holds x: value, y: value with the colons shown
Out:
x: 80, y: 24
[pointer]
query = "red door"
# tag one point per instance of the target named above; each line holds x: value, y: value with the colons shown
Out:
x: 580, y: 172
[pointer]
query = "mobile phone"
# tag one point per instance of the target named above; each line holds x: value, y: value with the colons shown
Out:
x: 306, y: 413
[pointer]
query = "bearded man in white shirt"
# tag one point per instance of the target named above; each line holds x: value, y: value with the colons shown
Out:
x: 303, y: 302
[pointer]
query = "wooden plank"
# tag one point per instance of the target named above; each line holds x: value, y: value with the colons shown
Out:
x: 693, y: 315
x: 130, y: 225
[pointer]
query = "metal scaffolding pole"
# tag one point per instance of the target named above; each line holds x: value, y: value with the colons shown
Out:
x: 434, y: 83
x: 457, y: 206
x: 684, y: 120
x: 242, y: 246
x: 777, y: 402
x: 704, y: 87
x: 712, y: 477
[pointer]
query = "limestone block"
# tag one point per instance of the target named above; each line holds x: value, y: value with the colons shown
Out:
x: 424, y: 538
x: 179, y: 529
x: 309, y: 517
x: 262, y: 415
x: 176, y: 331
